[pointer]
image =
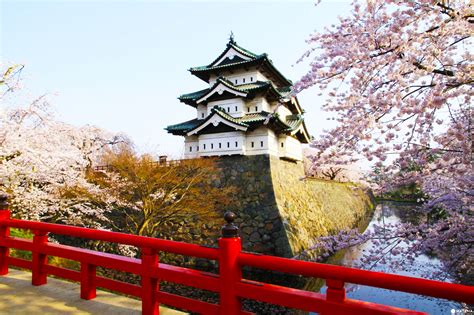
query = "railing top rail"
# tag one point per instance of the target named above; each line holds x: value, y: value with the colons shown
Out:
x: 117, y: 237
x: 438, y: 289
x: 407, y: 284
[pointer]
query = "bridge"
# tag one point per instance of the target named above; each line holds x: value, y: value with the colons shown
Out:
x: 228, y: 283
x: 60, y: 297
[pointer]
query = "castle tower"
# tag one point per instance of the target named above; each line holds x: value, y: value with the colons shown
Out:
x: 247, y: 109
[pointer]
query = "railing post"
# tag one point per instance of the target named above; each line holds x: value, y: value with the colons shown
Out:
x: 4, y: 233
x: 230, y: 273
x: 335, y: 293
x: 150, y: 285
x: 39, y: 275
x: 88, y: 288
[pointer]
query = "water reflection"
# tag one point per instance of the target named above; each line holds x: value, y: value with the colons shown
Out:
x: 390, y: 212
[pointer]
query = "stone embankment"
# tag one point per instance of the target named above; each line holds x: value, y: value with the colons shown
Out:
x: 280, y: 212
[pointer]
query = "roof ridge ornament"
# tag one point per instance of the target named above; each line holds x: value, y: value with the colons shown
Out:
x: 231, y: 38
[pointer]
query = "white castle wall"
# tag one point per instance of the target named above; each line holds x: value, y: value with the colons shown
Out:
x: 257, y: 105
x: 259, y: 141
x: 289, y: 147
x: 228, y: 143
x: 201, y: 111
x: 239, y: 77
x: 234, y: 107
x: 237, y: 107
x: 191, y: 147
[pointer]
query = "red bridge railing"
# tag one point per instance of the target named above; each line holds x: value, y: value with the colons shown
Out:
x: 228, y: 283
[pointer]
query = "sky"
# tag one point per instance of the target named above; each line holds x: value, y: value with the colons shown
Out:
x: 120, y: 65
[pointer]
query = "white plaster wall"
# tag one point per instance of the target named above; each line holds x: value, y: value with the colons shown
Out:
x: 237, y: 77
x: 273, y: 143
x: 291, y: 148
x: 264, y: 142
x: 257, y: 105
x: 191, y: 147
x: 225, y: 143
x: 282, y: 145
x: 201, y: 111
x: 234, y: 107
x: 245, y: 78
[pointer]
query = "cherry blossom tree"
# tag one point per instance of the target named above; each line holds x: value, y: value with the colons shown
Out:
x: 42, y: 159
x: 399, y: 79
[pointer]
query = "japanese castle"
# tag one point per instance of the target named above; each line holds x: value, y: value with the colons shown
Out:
x: 247, y: 109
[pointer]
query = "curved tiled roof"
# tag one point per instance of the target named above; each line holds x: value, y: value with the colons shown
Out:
x: 233, y: 44
x: 181, y: 127
x: 293, y: 122
x: 249, y: 88
x: 203, y: 72
x: 227, y: 64
x: 193, y: 95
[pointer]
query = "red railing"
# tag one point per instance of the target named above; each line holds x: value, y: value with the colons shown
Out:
x: 228, y: 283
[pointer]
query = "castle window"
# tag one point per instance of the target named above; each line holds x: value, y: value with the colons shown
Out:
x: 228, y: 144
x: 191, y: 149
x: 236, y: 144
x: 256, y: 108
x: 236, y: 81
x: 253, y: 144
x: 261, y: 144
x: 197, y: 148
x: 282, y: 144
x: 248, y: 109
x: 235, y: 108
x: 228, y: 109
x: 220, y: 145
x: 212, y: 146
x: 243, y: 80
x: 251, y: 79
x: 202, y: 115
x: 204, y: 145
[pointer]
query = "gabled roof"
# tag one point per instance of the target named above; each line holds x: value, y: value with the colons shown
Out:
x: 247, y: 121
x: 244, y: 90
x: 222, y: 85
x: 243, y: 58
x: 294, y: 124
x: 216, y: 117
x: 240, y: 52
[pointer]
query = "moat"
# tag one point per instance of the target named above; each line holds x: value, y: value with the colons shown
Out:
x: 393, y: 212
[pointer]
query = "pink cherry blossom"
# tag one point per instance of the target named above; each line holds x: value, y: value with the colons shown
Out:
x: 399, y: 80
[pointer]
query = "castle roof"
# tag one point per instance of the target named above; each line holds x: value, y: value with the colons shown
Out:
x: 294, y: 124
x: 223, y: 88
x: 234, y: 57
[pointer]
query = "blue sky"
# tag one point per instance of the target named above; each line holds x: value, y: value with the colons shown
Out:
x: 121, y: 65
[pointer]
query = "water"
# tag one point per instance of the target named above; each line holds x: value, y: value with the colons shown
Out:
x: 393, y: 212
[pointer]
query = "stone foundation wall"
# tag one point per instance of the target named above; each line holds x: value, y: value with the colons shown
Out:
x: 279, y: 211
x: 282, y: 213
